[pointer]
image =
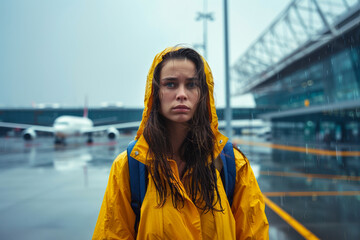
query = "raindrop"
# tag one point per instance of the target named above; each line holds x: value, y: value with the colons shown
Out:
x: 337, y: 153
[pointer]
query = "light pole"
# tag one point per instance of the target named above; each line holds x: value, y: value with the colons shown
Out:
x: 227, y: 76
x: 205, y: 16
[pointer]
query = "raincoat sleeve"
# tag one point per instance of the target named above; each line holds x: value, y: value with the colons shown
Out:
x: 116, y: 218
x: 248, y: 205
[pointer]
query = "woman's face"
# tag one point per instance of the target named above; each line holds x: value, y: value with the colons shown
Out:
x: 179, y: 91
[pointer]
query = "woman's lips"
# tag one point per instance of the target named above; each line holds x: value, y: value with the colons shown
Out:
x: 181, y: 108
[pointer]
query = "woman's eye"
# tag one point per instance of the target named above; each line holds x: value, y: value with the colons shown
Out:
x: 170, y: 84
x: 191, y: 85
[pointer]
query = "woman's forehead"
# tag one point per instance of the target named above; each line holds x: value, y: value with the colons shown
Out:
x: 178, y: 67
x: 178, y: 61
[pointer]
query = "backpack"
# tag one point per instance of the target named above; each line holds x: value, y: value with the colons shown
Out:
x: 138, y: 173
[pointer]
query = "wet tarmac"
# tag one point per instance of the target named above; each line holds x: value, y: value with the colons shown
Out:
x: 50, y: 192
x: 321, y: 193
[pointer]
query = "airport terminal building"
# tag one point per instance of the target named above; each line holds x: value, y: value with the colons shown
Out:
x: 306, y: 65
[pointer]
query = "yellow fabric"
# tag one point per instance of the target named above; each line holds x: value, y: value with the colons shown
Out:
x: 244, y: 220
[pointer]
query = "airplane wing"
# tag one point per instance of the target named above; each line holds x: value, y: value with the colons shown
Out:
x: 34, y: 127
x: 117, y: 126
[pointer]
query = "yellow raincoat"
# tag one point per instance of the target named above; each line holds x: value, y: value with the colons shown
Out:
x: 244, y: 220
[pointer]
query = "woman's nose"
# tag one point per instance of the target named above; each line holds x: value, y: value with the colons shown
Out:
x: 181, y: 93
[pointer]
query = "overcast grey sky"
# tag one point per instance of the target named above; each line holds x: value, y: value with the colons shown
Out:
x: 59, y: 51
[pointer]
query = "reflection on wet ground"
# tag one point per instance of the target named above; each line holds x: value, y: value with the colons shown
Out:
x: 314, y: 196
x: 55, y: 192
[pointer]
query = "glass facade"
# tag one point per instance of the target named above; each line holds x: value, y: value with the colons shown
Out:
x: 327, y: 80
x: 346, y: 69
x: 330, y: 80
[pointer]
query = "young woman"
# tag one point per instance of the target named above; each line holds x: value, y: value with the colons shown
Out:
x: 180, y: 143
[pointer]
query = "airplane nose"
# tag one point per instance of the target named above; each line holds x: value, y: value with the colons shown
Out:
x: 59, y: 128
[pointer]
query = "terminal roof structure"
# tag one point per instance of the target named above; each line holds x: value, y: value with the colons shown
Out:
x: 303, y: 27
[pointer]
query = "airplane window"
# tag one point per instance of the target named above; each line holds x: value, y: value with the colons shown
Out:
x: 62, y: 123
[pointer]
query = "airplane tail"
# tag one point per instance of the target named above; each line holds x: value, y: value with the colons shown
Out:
x: 86, y: 110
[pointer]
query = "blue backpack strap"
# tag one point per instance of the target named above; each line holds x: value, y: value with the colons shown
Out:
x: 137, y: 173
x: 229, y: 169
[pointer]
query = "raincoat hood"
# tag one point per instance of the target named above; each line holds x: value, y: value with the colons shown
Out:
x: 148, y: 101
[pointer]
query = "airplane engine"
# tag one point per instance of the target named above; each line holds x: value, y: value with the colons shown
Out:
x: 29, y: 134
x: 112, y: 133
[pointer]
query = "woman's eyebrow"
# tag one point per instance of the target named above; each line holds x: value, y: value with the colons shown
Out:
x: 169, y: 79
x: 175, y: 79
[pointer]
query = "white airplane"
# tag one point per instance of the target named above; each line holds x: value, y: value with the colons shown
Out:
x: 67, y: 126
x: 250, y: 127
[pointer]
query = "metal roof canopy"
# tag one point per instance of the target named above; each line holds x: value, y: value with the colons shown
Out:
x: 303, y: 27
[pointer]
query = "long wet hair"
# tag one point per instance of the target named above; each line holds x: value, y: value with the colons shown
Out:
x: 197, y: 150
